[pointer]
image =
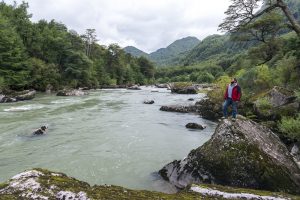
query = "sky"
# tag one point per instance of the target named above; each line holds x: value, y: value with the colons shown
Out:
x: 145, y: 24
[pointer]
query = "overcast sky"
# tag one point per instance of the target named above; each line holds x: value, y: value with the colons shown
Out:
x: 145, y: 24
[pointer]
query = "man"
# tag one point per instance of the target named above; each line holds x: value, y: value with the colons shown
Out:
x: 232, y: 96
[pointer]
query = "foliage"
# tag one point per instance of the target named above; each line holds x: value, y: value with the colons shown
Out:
x: 43, y: 54
x: 291, y: 127
x: 217, y: 95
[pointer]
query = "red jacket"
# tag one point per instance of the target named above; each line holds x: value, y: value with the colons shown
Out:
x: 236, y: 93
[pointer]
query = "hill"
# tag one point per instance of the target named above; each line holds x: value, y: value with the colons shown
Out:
x: 171, y: 55
x: 135, y: 51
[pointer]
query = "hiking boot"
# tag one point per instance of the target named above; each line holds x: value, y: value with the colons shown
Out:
x: 233, y: 119
x: 223, y: 117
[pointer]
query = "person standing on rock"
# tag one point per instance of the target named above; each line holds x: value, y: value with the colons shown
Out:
x: 232, y: 96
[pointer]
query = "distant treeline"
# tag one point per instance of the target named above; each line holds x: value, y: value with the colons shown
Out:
x: 47, y: 55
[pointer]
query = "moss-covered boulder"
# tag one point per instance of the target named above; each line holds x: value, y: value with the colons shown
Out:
x: 42, y: 184
x: 183, y: 88
x: 241, y: 154
x: 275, y: 103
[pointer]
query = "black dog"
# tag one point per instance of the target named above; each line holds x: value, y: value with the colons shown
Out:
x: 40, y: 131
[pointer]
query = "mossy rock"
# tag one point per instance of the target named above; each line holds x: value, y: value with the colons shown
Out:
x: 240, y: 154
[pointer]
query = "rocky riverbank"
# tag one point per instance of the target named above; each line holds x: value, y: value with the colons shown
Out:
x: 43, y: 184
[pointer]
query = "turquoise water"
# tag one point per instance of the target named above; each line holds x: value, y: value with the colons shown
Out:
x: 106, y: 137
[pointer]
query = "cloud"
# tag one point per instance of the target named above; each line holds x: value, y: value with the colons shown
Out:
x: 146, y: 24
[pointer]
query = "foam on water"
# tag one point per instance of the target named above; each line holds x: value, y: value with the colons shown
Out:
x: 24, y: 108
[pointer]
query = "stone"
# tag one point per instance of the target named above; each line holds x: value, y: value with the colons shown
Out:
x: 179, y: 108
x: 26, y: 95
x: 149, y: 102
x: 41, y: 130
x: 134, y: 87
x: 209, y: 110
x: 239, y: 154
x: 72, y: 92
x: 191, y: 99
x: 195, y: 126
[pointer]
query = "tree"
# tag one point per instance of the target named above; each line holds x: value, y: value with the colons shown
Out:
x: 242, y: 12
x: 89, y: 39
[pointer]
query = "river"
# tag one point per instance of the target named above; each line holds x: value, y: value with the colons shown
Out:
x: 106, y: 137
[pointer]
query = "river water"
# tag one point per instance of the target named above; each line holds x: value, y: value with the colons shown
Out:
x: 106, y: 137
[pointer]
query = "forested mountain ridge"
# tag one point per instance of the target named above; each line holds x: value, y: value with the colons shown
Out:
x: 47, y: 55
x: 135, y: 51
x: 170, y: 55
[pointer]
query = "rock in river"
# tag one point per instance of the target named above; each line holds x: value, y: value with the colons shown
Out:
x: 149, y: 102
x: 239, y: 154
x: 195, y: 126
x: 73, y: 92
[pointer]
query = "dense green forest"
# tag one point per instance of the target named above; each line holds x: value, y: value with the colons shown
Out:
x: 47, y: 55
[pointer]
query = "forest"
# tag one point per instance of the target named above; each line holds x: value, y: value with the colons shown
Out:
x: 46, y: 55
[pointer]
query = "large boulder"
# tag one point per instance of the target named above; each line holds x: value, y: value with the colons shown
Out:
x: 275, y: 103
x: 14, y: 96
x: 183, y: 88
x: 26, y: 95
x: 239, y: 154
x: 72, y: 92
x: 209, y: 110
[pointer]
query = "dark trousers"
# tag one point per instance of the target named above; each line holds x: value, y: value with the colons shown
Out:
x: 227, y: 103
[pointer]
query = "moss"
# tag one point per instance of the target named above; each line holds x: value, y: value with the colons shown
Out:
x: 3, y: 185
x: 241, y: 163
x: 9, y: 197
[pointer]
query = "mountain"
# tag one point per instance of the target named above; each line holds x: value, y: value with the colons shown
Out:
x: 135, y: 51
x: 171, y: 55
x: 213, y: 46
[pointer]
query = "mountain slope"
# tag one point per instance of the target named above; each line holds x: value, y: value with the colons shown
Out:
x: 172, y: 53
x: 135, y: 51
x: 213, y: 46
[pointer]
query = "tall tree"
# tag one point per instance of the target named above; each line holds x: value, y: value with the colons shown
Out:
x: 90, y: 38
x: 242, y: 12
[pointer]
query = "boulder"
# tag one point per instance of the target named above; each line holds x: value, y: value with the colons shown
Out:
x: 134, y: 87
x: 165, y: 85
x: 240, y: 154
x: 195, y: 126
x: 209, y: 110
x: 13, y: 96
x: 179, y: 108
x: 149, y: 102
x: 184, y: 90
x: 26, y: 95
x: 275, y: 103
x: 41, y: 131
x: 72, y: 92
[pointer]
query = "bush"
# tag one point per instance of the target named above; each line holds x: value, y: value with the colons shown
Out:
x: 217, y: 95
x: 205, y: 78
x: 290, y: 127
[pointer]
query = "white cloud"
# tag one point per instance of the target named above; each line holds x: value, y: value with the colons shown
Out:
x: 146, y: 24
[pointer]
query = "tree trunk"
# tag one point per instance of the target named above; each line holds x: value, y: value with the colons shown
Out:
x: 294, y: 24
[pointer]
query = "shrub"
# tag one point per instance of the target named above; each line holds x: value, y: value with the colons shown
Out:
x: 290, y: 127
